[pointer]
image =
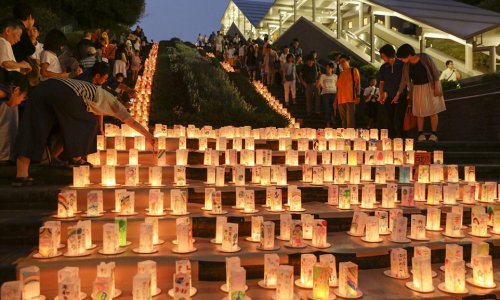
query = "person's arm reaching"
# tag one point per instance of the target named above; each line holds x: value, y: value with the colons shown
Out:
x: 139, y: 128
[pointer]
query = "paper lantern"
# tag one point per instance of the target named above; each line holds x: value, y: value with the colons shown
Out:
x: 47, y: 242
x: 296, y: 201
x: 108, y: 175
x: 372, y: 230
x: 105, y: 281
x: 292, y: 158
x: 422, y: 275
x: 468, y: 193
x: 433, y: 219
x: 319, y: 234
x: 388, y: 195
x: 417, y: 227
x: 131, y: 175
x: 230, y: 238
x: 155, y: 202
x: 256, y: 228
x: 285, y: 224
x: 271, y: 266
x: 30, y: 279
x: 366, y: 173
x: 249, y: 201
x: 239, y: 175
x: 480, y: 225
x: 438, y: 157
x: 267, y: 236
x: 407, y: 196
x: 436, y: 173
x: 101, y: 142
x: 184, y: 235
x: 69, y: 288
x: 450, y: 192
x: 326, y: 157
x: 240, y: 198
x: 281, y: 175
x: 178, y: 202
x: 452, y: 173
x: 380, y: 176
x: 122, y: 231
x: 341, y: 174
x: 231, y: 263
x: 399, y: 263
x: 469, y: 173
x: 307, y: 174
x: 307, y: 262
x: 146, y: 238
x: 237, y: 285
x: 398, y: 233
x: 321, y: 287
x: 179, y: 175
x: 181, y: 157
x: 66, y: 203
x: 333, y: 195
x: 217, y: 203
x: 249, y: 143
x: 94, y: 159
x: 202, y: 144
x: 140, y: 143
x: 296, y: 234
x: 219, y: 229
x: 344, y: 198
x: 277, y: 200
x: 348, y: 280
x: 496, y: 222
x: 220, y: 173
x: 265, y: 175
x: 76, y: 241
x: 424, y: 173
x: 284, y: 287
x: 221, y: 144
x: 317, y: 175
x: 327, y: 173
x: 79, y: 179
x: 110, y: 240
x: 141, y: 287
x: 453, y: 225
x: 358, y: 223
x: 383, y: 221
x: 154, y: 224
x: 148, y: 267
x: 420, y: 192
x: 111, y: 157
x: 482, y: 272
x: 307, y: 223
x: 209, y: 194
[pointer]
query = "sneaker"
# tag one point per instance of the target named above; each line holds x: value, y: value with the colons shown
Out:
x: 422, y: 138
x: 433, y: 138
x: 23, y: 181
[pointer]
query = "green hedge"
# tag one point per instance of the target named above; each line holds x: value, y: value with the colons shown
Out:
x: 189, y: 89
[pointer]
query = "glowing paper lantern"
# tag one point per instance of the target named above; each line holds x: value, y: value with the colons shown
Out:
x: 333, y: 195
x: 267, y: 236
x: 372, y: 230
x: 180, y: 176
x: 249, y: 201
x: 141, y: 287
x: 284, y: 287
x: 433, y: 219
x: 344, y: 198
x: 148, y: 267
x: 470, y: 173
x: 358, y: 223
x: 453, y: 225
x: 108, y: 175
x: 417, y: 227
x: 296, y: 234
x: 155, y: 202
x: 271, y: 266
x: 178, y: 202
x: 321, y: 287
x: 181, y: 157
x: 407, y: 196
x: 398, y: 233
x: 307, y: 262
x: 482, y: 272
x: 422, y: 274
x: 296, y: 201
x: 184, y: 235
x: 230, y: 238
x: 285, y: 224
x: 480, y: 225
x: 348, y: 280
x: 307, y: 223
x: 110, y: 238
x: 319, y: 234
x: 399, y: 263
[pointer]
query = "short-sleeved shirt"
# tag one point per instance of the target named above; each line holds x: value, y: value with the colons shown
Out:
x: 98, y: 100
x: 51, y: 59
x: 309, y: 73
x: 448, y: 75
x: 345, y: 86
x: 391, y: 76
x: 373, y: 91
x: 328, y: 84
x: 418, y: 73
x: 6, y: 53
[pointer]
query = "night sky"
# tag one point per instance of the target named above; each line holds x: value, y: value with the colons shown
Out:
x: 184, y: 19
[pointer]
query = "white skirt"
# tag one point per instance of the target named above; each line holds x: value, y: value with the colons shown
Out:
x: 425, y: 104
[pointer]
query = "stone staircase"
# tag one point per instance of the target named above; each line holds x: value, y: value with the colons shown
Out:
x: 22, y: 210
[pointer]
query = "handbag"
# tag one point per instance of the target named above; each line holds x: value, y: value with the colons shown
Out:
x: 410, y: 121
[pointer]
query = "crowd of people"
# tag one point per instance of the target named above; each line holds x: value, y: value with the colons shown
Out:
x: 407, y: 85
x: 67, y: 90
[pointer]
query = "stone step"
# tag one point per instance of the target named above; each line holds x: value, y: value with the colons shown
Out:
x: 208, y: 256
x: 372, y: 283
x: 9, y: 255
x: 20, y: 227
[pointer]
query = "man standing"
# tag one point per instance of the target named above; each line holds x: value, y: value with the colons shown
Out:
x: 348, y: 90
x: 24, y: 48
x: 395, y: 103
x: 309, y: 78
x: 450, y: 73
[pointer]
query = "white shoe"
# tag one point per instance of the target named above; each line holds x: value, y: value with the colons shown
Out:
x: 422, y: 138
x: 433, y: 138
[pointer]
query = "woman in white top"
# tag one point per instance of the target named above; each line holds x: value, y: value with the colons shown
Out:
x: 328, y: 85
x: 289, y: 71
x: 50, y: 67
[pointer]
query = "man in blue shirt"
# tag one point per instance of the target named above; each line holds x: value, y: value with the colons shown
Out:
x: 395, y: 103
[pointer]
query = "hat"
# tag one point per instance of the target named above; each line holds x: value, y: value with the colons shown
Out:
x: 91, y: 50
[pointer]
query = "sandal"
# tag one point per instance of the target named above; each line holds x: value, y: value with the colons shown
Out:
x: 23, y: 181
x: 79, y: 162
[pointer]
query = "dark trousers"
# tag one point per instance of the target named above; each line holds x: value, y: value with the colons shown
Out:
x: 328, y: 106
x: 312, y: 98
x: 395, y: 115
